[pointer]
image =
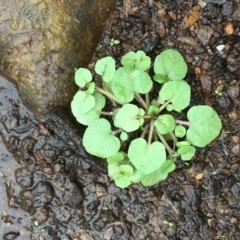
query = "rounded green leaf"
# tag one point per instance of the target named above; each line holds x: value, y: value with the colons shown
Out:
x: 180, y: 131
x: 158, y: 175
x: 128, y: 59
x: 205, y: 125
x: 165, y: 124
x: 160, y: 78
x: 169, y: 107
x: 171, y: 64
x: 82, y: 76
x: 136, y: 177
x: 121, y: 180
x: 143, y: 62
x: 98, y: 139
x: 146, y: 158
x: 91, y: 87
x: 83, y: 102
x: 93, y: 114
x: 138, y: 60
x: 126, y: 169
x: 116, y: 158
x: 178, y: 92
x: 186, y: 152
x: 106, y: 68
x: 122, y: 85
x: 113, y: 169
x: 142, y: 82
x: 127, y: 118
x: 124, y: 136
x: 153, y: 110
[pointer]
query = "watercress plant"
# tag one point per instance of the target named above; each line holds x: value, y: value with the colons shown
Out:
x: 141, y: 136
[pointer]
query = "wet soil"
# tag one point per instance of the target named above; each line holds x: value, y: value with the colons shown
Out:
x: 51, y: 189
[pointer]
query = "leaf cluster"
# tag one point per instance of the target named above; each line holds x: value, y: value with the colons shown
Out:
x: 158, y: 137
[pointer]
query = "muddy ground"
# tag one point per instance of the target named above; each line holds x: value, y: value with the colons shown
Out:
x: 51, y: 189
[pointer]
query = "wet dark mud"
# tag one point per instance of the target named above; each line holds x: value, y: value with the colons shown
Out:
x: 52, y: 189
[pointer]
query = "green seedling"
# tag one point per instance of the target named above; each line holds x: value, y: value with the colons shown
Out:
x: 204, y: 187
x: 142, y: 136
x: 168, y: 223
x: 114, y: 42
x: 218, y: 93
x: 220, y: 237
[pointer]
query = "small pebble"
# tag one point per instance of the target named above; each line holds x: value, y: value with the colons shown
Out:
x: 229, y: 29
x: 235, y: 150
x: 220, y: 47
x: 235, y: 138
x: 233, y: 115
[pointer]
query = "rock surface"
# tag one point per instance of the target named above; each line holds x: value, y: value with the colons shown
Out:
x: 43, y: 41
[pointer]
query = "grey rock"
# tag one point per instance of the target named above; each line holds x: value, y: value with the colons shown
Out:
x: 236, y: 14
x: 218, y: 2
x: 43, y: 41
x: 204, y: 34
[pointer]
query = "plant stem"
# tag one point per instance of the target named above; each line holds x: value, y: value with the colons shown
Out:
x: 170, y: 151
x: 174, y: 140
x: 147, y: 99
x: 107, y: 113
x: 108, y: 94
x: 145, y: 117
x: 141, y: 101
x: 145, y: 131
x: 186, y: 123
x: 158, y: 102
x: 150, y: 135
x: 116, y: 131
x: 164, y: 105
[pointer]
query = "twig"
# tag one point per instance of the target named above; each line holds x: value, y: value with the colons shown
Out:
x: 141, y: 101
x: 186, y: 123
x: 170, y: 151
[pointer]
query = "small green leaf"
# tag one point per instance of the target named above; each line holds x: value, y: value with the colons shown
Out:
x: 122, y: 85
x: 153, y: 110
x: 186, y: 152
x: 126, y: 169
x: 205, y: 125
x: 91, y: 88
x: 146, y: 158
x: 171, y: 64
x: 143, y: 62
x: 160, y: 78
x: 178, y: 92
x: 116, y: 158
x: 183, y: 143
x: 83, y: 102
x: 127, y: 118
x: 136, y: 177
x: 116, y: 41
x: 98, y: 139
x: 106, y: 68
x: 82, y: 76
x: 93, y: 114
x: 121, y: 180
x: 124, y: 136
x: 129, y: 59
x: 142, y: 82
x: 113, y: 169
x: 158, y: 175
x: 138, y: 60
x: 165, y: 124
x: 180, y: 131
x: 169, y: 107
